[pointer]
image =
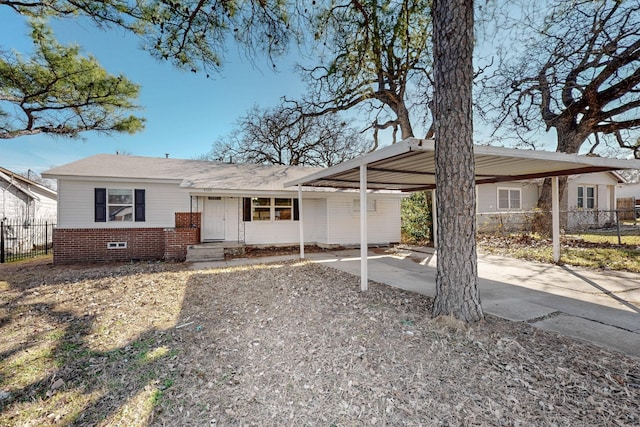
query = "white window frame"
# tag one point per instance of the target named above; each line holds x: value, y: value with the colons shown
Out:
x: 582, y: 201
x: 131, y: 205
x: 509, y: 199
x: 275, y: 210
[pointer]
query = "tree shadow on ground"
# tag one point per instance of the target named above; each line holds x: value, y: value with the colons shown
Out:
x: 87, y: 345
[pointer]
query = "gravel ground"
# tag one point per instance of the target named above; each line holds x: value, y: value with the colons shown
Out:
x: 282, y: 344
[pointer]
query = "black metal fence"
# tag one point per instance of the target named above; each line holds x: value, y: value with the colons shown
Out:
x: 21, y: 239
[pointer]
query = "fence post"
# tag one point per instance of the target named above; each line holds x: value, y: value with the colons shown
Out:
x: 1, y: 241
x: 618, y: 227
x: 46, y: 238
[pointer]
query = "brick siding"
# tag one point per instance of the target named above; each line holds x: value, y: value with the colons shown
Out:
x: 176, y: 241
x: 71, y: 245
x: 188, y: 219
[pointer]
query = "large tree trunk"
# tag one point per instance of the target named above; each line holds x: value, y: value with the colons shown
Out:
x: 457, y: 272
x: 405, y: 122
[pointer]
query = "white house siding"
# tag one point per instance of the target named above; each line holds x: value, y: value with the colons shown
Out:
x: 625, y: 191
x: 13, y: 203
x: 271, y: 232
x: 16, y: 205
x: 605, y: 185
x: 487, y: 196
x: 321, y: 226
x: 284, y: 232
x: 76, y: 204
x: 491, y: 219
x: 232, y: 218
x: 46, y: 208
x: 312, y: 217
x: 343, y: 221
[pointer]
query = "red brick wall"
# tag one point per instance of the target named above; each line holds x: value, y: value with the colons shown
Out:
x: 176, y: 241
x: 188, y: 219
x: 90, y: 245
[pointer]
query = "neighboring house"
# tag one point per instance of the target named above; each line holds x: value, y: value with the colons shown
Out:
x: 115, y: 207
x: 629, y: 190
x: 26, y: 208
x: 25, y: 201
x: 629, y: 199
x: 589, y: 201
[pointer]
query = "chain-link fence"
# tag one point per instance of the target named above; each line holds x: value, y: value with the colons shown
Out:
x: 622, y: 225
x: 20, y: 239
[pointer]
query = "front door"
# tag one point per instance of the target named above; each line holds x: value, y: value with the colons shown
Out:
x: 213, y: 219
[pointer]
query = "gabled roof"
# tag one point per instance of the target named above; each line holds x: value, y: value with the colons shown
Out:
x: 25, y: 185
x: 409, y: 165
x: 188, y: 174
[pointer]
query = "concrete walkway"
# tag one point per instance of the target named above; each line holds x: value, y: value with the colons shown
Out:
x: 599, y: 307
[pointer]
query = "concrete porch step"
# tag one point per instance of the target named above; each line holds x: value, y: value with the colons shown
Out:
x: 199, y: 253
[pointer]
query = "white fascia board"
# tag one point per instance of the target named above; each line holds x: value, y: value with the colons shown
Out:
x: 310, y: 192
x: 112, y: 179
x: 203, y: 192
x: 578, y: 160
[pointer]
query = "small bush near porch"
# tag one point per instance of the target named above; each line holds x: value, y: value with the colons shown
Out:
x: 141, y: 344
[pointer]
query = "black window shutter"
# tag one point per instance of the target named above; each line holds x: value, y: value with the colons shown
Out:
x: 296, y: 210
x: 246, y: 209
x: 100, y: 204
x: 139, y: 205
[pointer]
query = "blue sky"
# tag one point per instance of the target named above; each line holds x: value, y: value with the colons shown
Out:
x: 185, y: 112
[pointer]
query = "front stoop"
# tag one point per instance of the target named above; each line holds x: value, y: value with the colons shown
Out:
x: 199, y: 253
x: 213, y: 251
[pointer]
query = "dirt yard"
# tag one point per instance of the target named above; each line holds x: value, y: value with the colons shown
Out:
x: 282, y: 344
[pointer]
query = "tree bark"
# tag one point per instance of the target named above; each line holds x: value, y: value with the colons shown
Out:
x: 457, y: 272
x: 405, y: 122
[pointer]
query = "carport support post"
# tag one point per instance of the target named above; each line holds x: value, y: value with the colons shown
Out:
x: 300, y: 223
x: 364, y: 280
x: 555, y: 218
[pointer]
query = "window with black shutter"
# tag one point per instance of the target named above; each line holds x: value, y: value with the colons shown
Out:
x: 139, y: 205
x: 100, y: 204
x: 246, y: 209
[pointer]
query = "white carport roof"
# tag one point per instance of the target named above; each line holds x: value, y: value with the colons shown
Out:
x: 409, y: 165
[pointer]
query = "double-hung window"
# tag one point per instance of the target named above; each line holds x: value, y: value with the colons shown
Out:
x: 119, y: 204
x: 283, y: 209
x: 270, y: 209
x: 261, y: 208
x: 509, y: 198
x: 586, y: 197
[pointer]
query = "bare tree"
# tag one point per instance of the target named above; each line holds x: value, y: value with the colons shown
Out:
x: 371, y: 54
x: 275, y: 136
x: 578, y: 74
x: 456, y: 272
